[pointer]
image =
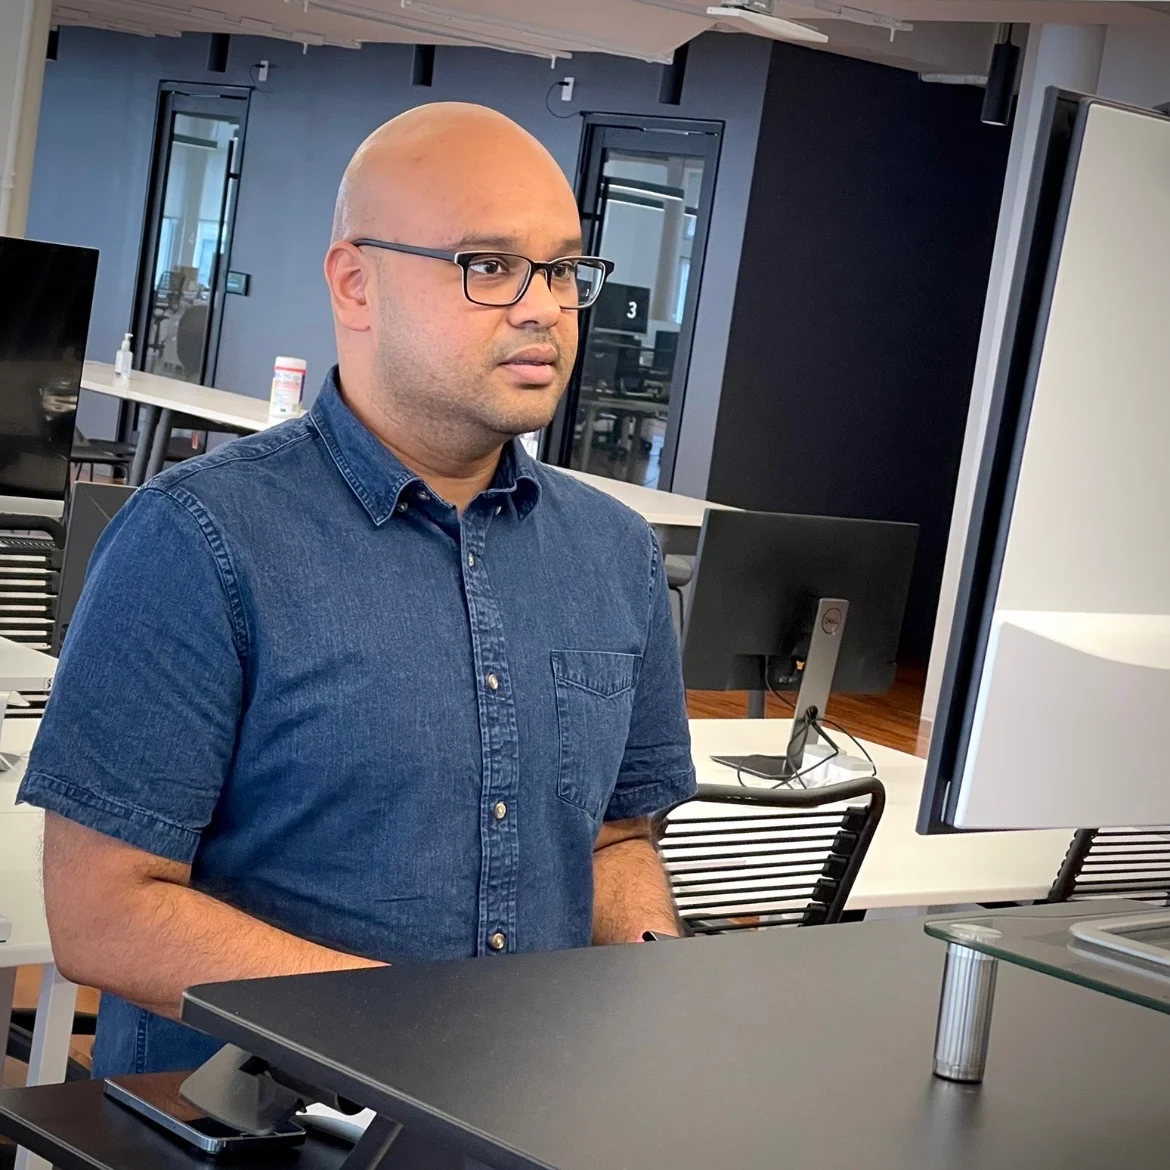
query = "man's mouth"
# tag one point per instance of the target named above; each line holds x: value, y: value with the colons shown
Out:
x: 534, y: 355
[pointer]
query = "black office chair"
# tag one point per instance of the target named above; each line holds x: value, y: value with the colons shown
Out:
x: 1116, y: 863
x: 751, y: 858
x: 94, y: 453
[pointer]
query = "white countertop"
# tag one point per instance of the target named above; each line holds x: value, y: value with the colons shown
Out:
x: 25, y: 669
x: 664, y: 509
x: 221, y: 406
x: 21, y: 832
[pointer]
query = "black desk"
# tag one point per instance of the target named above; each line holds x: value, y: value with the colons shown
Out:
x: 80, y: 1129
x: 807, y: 1048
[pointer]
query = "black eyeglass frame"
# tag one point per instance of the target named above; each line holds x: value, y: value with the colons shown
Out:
x: 465, y: 259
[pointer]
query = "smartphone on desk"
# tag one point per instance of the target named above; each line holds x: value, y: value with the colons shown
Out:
x: 155, y: 1096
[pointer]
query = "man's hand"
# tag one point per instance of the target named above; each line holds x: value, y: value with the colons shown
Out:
x: 631, y: 893
x: 126, y: 921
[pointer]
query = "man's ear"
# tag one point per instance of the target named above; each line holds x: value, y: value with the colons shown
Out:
x: 348, y: 276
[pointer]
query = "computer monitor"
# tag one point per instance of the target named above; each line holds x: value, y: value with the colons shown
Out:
x: 780, y: 602
x: 46, y: 291
x: 91, y: 507
x: 623, y: 307
x: 1057, y: 676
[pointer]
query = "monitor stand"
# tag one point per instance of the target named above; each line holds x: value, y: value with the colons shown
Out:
x: 816, y: 683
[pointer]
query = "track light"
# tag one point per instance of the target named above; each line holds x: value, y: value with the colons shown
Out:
x: 1001, y: 81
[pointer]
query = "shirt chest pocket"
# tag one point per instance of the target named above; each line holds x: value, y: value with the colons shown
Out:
x: 595, y: 699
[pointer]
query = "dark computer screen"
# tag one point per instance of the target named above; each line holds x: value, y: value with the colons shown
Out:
x: 758, y: 577
x: 46, y: 291
x: 625, y: 307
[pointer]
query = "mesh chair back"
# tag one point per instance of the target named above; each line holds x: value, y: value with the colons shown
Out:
x: 744, y: 858
x: 1116, y: 863
x: 30, y: 571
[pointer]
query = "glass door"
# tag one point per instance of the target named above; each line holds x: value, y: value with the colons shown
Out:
x: 183, y: 266
x: 645, y: 202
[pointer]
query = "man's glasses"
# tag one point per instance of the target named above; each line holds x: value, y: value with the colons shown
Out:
x: 500, y: 279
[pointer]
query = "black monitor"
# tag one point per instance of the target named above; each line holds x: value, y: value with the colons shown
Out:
x: 91, y: 507
x: 622, y: 307
x: 46, y: 291
x: 774, y: 592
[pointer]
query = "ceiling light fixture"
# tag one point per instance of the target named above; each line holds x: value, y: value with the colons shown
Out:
x: 1001, y: 80
x: 755, y: 19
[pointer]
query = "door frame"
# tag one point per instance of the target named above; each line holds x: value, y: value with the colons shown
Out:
x: 169, y: 92
x: 705, y: 139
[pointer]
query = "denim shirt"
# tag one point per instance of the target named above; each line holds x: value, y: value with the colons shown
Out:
x: 358, y: 715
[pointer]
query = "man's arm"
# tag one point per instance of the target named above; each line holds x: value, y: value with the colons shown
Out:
x: 630, y: 891
x: 128, y: 922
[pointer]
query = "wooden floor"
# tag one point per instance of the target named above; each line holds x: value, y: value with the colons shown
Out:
x: 890, y: 719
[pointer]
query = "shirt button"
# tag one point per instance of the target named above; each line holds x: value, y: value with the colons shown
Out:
x: 493, y: 683
x: 497, y: 942
x: 471, y: 560
x: 500, y: 810
x: 423, y: 496
x: 499, y: 509
x: 402, y: 506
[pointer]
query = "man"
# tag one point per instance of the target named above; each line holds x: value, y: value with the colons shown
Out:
x: 372, y: 684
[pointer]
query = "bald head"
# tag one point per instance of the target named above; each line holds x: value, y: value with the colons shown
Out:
x: 416, y: 352
x: 435, y: 152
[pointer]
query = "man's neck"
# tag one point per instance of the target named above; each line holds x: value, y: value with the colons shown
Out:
x: 458, y: 482
x: 456, y: 478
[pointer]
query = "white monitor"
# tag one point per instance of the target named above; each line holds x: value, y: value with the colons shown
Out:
x: 1058, y: 674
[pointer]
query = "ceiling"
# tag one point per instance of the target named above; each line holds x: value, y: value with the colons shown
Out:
x: 934, y: 36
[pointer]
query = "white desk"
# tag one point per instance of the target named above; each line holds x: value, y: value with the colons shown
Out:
x: 21, y: 900
x: 903, y: 869
x: 239, y: 411
x: 164, y: 397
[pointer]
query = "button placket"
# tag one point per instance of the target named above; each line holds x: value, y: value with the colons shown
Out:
x: 498, y: 831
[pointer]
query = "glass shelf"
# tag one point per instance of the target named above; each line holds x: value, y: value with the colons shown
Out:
x: 1047, y: 945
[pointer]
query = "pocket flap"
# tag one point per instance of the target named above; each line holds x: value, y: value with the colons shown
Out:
x: 604, y: 672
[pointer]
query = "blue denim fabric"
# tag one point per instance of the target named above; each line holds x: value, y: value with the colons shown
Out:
x: 358, y: 715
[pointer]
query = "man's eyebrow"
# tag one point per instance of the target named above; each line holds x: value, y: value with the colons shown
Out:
x: 570, y: 246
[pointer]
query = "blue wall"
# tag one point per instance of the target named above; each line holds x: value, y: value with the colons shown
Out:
x: 95, y: 139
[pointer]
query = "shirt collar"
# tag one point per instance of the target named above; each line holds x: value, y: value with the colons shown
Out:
x: 378, y: 478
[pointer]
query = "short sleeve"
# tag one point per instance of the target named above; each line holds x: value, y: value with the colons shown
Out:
x: 657, y: 771
x: 139, y: 731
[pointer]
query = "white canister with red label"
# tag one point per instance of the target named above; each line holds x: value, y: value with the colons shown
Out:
x: 288, y: 388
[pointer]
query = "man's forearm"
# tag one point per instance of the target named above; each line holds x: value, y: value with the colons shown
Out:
x: 631, y: 893
x: 162, y: 938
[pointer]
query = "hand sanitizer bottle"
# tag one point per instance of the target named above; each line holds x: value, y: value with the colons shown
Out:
x: 124, y: 358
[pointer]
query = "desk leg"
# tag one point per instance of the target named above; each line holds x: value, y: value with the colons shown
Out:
x: 158, y: 449
x: 587, y: 436
x: 147, y: 419
x: 50, y: 1044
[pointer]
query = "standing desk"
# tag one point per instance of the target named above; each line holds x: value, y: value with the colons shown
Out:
x: 807, y: 1048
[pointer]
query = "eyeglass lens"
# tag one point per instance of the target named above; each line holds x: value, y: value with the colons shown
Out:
x: 498, y: 278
